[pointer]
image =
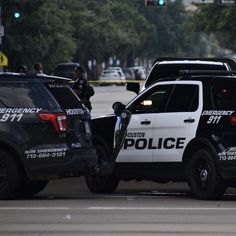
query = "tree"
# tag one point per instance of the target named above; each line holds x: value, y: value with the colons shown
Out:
x: 172, y: 35
x: 104, y: 30
x: 135, y: 32
x: 55, y: 31
x: 217, y: 20
x: 43, y: 34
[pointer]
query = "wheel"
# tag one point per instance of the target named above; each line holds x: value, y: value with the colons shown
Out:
x: 9, y: 175
x: 203, y: 176
x: 99, y: 183
x: 30, y: 188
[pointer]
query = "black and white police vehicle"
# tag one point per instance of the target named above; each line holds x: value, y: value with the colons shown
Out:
x: 44, y: 133
x: 180, y: 129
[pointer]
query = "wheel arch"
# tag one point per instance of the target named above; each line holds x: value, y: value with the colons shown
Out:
x: 198, y: 144
x: 11, y: 149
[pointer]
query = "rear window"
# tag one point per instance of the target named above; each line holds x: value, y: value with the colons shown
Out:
x: 224, y: 96
x: 27, y: 95
x: 65, y: 96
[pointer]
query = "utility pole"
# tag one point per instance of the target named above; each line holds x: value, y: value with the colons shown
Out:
x: 3, y: 58
x: 1, y: 23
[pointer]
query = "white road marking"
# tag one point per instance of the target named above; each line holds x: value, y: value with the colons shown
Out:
x: 34, y: 208
x: 122, y: 208
x: 162, y: 208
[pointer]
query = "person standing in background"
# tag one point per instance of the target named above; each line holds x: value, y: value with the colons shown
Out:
x: 82, y: 88
x: 38, y: 67
x: 22, y: 69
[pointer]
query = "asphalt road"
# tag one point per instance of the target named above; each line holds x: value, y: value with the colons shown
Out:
x: 66, y: 207
x: 105, y: 96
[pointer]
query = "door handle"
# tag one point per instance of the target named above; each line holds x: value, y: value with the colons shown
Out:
x: 189, y: 120
x: 145, y: 122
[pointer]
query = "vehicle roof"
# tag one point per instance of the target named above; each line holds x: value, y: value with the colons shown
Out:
x: 110, y: 71
x: 11, y: 77
x: 114, y: 68
x: 136, y: 67
x: 230, y: 61
x: 127, y: 68
x: 190, y: 62
x: 67, y: 63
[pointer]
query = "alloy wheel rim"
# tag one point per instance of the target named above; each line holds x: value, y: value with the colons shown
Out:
x: 202, y: 175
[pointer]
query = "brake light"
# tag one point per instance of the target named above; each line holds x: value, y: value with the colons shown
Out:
x: 58, y: 120
x: 233, y: 119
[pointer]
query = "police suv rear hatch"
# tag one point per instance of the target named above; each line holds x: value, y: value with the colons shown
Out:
x: 78, y: 117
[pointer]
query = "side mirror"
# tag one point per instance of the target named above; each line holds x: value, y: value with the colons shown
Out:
x: 118, y: 107
x: 133, y: 87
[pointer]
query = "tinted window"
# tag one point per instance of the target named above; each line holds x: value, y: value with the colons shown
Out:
x: 152, y: 101
x: 65, y: 96
x: 183, y: 98
x: 163, y: 71
x: 25, y: 95
x: 224, y: 96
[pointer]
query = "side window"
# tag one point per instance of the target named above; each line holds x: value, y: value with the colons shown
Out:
x: 152, y: 101
x: 224, y: 96
x: 184, y: 98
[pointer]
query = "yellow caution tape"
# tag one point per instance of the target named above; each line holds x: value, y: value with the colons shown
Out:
x: 111, y: 82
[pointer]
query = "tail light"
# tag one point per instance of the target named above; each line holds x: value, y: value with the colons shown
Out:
x: 58, y: 120
x: 233, y: 119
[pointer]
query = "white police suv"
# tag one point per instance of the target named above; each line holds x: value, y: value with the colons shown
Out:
x: 181, y: 129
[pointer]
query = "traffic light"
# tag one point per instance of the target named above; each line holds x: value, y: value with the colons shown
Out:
x: 160, y: 3
x: 17, y: 14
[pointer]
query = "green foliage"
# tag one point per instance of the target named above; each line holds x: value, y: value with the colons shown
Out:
x: 54, y: 31
x: 217, y: 20
x: 172, y: 36
x: 42, y: 34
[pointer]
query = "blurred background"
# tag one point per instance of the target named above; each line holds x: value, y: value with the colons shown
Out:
x: 113, y: 33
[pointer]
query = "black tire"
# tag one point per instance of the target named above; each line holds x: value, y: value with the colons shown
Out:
x: 10, y: 175
x: 104, y: 184
x: 203, y: 176
x: 29, y: 188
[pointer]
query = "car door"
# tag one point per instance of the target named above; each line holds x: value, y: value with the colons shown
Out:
x: 138, y: 143
x: 176, y: 126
